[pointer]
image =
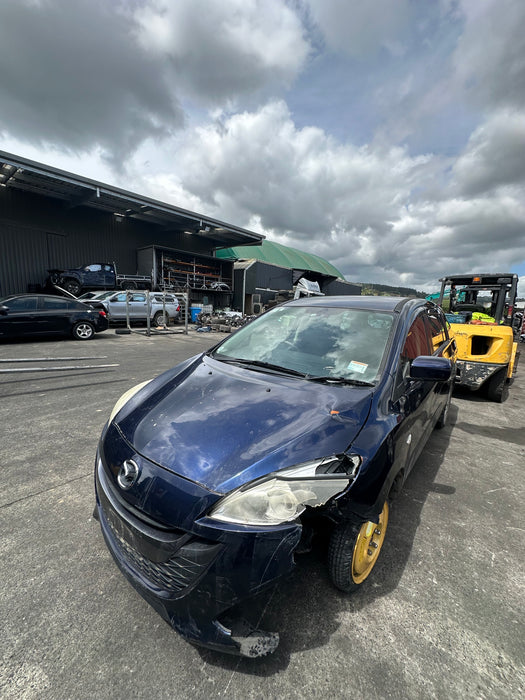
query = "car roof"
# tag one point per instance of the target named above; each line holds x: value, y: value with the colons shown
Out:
x: 36, y: 294
x: 370, y: 303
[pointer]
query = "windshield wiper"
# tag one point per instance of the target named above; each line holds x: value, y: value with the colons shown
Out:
x: 339, y: 380
x: 260, y: 364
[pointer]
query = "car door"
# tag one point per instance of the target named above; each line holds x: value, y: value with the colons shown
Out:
x: 116, y: 306
x: 53, y: 315
x: 412, y: 399
x: 442, y: 346
x: 109, y: 276
x: 95, y: 275
x: 21, y: 317
x: 138, y: 306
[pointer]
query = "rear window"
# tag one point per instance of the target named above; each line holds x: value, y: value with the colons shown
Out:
x: 57, y: 304
x: 77, y: 306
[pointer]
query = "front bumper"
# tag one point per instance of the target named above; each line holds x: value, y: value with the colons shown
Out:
x: 193, y: 576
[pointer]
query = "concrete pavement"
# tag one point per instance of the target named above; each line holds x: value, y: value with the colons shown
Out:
x: 441, y: 617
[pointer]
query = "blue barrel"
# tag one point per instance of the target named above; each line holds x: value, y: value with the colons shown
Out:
x: 195, y: 311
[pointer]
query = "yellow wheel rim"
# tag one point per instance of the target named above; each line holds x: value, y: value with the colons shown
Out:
x: 368, y: 545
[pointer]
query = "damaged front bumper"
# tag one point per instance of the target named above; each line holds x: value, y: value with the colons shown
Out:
x: 193, y: 577
x: 474, y: 374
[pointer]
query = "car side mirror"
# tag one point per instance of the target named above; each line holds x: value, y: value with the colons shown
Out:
x: 431, y: 369
x: 4, y: 310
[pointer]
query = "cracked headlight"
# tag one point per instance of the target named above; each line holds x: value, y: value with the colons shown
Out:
x: 125, y: 398
x: 282, y: 496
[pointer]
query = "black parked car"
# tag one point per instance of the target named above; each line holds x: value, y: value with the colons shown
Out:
x: 213, y: 476
x: 41, y: 314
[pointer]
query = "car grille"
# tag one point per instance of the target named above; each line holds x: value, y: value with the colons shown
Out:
x: 175, y: 574
x: 180, y: 559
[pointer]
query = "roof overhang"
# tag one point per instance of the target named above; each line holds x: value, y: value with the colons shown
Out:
x: 74, y: 191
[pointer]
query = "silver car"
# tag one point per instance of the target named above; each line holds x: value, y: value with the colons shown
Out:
x: 163, y: 307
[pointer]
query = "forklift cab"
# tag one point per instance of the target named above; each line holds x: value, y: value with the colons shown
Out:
x: 490, y: 294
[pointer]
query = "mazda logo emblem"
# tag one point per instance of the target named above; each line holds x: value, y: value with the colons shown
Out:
x: 128, y: 474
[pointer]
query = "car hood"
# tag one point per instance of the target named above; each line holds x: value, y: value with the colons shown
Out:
x: 222, y: 426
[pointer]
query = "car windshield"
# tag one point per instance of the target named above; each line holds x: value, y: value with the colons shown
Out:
x: 316, y: 342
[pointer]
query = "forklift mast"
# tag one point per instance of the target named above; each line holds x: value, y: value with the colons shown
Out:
x: 464, y: 291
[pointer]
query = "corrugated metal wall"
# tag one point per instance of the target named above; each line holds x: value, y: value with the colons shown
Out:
x: 273, y: 276
x: 38, y: 233
x: 339, y: 288
x: 20, y: 254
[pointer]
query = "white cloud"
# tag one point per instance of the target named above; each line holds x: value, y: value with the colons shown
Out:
x: 377, y: 214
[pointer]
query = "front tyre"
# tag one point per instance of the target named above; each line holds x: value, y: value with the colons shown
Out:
x: 83, y: 331
x: 353, y: 551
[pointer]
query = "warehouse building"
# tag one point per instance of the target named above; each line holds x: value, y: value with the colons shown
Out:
x: 54, y: 220
x: 51, y: 219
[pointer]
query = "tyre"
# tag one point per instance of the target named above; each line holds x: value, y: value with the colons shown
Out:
x: 83, y: 330
x: 161, y: 319
x: 128, y: 284
x: 497, y: 386
x: 54, y: 278
x: 443, y: 418
x: 71, y: 286
x: 353, y: 551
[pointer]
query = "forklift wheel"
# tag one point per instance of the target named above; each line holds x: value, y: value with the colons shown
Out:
x: 497, y: 386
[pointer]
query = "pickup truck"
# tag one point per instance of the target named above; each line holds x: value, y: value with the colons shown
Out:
x: 95, y: 276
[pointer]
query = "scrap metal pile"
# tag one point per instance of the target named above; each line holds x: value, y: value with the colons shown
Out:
x: 222, y: 321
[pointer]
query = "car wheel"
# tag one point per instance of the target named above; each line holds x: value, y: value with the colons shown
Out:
x: 83, y: 331
x: 443, y: 418
x: 497, y: 386
x: 354, y: 550
x: 126, y: 284
x: 72, y: 286
x: 161, y: 319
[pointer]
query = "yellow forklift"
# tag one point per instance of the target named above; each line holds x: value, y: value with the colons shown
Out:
x: 480, y: 310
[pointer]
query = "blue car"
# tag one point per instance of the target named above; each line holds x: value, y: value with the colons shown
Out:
x: 212, y: 477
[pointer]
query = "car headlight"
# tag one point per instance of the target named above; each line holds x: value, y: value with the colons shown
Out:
x: 125, y: 398
x: 283, y: 496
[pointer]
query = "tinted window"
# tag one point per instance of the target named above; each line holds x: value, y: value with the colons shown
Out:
x: 76, y: 306
x: 22, y: 304
x: 57, y: 303
x: 416, y: 342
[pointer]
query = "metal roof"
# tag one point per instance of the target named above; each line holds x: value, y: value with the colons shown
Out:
x: 75, y: 190
x: 282, y: 255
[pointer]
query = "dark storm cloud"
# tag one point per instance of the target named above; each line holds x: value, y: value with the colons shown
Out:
x: 74, y: 75
x: 80, y: 75
x: 225, y: 50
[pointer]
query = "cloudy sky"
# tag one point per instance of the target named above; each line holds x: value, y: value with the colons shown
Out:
x: 386, y: 136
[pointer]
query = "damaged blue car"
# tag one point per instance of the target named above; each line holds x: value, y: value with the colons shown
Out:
x: 211, y: 477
